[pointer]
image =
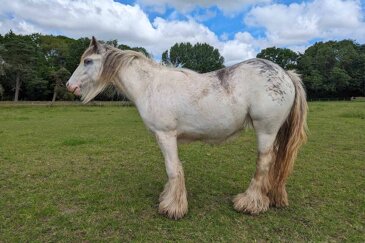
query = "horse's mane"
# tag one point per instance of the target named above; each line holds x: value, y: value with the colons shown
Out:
x: 113, y: 60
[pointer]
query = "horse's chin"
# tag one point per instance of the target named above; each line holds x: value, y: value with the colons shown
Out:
x: 77, y: 91
x: 89, y: 92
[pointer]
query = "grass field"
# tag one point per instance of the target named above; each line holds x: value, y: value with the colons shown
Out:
x: 94, y: 173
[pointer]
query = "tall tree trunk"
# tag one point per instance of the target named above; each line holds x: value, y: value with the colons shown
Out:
x: 54, y: 94
x: 17, y: 87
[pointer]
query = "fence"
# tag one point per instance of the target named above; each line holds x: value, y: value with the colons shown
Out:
x: 338, y: 99
x: 68, y: 103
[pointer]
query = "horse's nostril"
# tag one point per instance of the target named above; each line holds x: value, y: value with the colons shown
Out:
x: 67, y: 84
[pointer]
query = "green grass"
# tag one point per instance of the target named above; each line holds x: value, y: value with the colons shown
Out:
x: 91, y: 173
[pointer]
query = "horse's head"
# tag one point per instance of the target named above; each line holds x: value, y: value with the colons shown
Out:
x: 85, y: 81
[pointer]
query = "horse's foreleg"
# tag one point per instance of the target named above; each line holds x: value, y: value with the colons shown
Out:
x: 255, y: 199
x: 173, y: 200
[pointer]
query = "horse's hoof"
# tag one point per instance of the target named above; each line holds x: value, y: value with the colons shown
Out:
x: 173, y: 210
x: 173, y: 200
x: 251, y: 203
x: 278, y: 198
x: 279, y: 203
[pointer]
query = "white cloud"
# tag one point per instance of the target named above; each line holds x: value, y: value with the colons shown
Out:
x: 228, y: 6
x: 107, y: 20
x: 296, y: 24
x: 173, y: 31
x: 19, y: 26
x: 209, y: 14
x: 238, y: 49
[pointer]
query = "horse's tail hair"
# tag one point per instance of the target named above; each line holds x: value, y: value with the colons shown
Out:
x: 291, y: 135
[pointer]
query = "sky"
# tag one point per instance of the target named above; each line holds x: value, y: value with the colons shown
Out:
x: 239, y: 29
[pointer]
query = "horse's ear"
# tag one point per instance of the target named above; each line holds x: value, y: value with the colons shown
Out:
x: 93, y: 42
x: 97, y: 47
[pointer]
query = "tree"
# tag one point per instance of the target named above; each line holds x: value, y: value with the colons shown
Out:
x: 19, y: 56
x: 139, y: 49
x: 76, y: 49
x: 1, y: 91
x: 201, y: 57
x: 2, y: 65
x: 333, y: 68
x: 59, y: 78
x: 361, y: 65
x: 2, y: 62
x: 36, y: 88
x: 36, y: 66
x: 114, y: 43
x: 284, y: 57
x: 55, y: 49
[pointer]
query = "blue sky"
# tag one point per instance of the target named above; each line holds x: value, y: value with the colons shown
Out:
x: 220, y: 23
x: 238, y: 28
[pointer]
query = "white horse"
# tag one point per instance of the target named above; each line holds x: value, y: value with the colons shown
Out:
x: 177, y: 105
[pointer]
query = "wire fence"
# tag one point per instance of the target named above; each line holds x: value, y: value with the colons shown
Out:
x: 65, y: 103
x: 338, y: 99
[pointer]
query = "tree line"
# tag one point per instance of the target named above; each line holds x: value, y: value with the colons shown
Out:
x: 328, y: 69
x: 36, y: 66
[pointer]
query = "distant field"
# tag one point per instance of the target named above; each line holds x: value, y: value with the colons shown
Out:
x: 93, y: 173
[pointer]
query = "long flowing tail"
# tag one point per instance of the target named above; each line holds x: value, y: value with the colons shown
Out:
x: 292, y: 134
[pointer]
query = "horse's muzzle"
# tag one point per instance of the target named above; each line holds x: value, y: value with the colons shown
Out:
x: 73, y: 88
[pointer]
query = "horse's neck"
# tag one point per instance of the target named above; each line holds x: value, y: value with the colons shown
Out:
x: 133, y: 80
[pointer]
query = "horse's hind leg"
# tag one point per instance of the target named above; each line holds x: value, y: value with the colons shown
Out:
x: 173, y: 200
x: 255, y: 199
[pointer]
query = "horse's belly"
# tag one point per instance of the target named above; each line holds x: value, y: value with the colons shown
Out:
x: 208, y: 138
x: 212, y: 129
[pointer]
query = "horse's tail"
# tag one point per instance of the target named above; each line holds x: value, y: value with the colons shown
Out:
x: 292, y: 134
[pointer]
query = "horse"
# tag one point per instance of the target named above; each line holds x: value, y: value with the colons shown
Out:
x: 179, y: 105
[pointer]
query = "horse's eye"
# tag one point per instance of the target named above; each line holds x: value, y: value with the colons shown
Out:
x: 88, y: 61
